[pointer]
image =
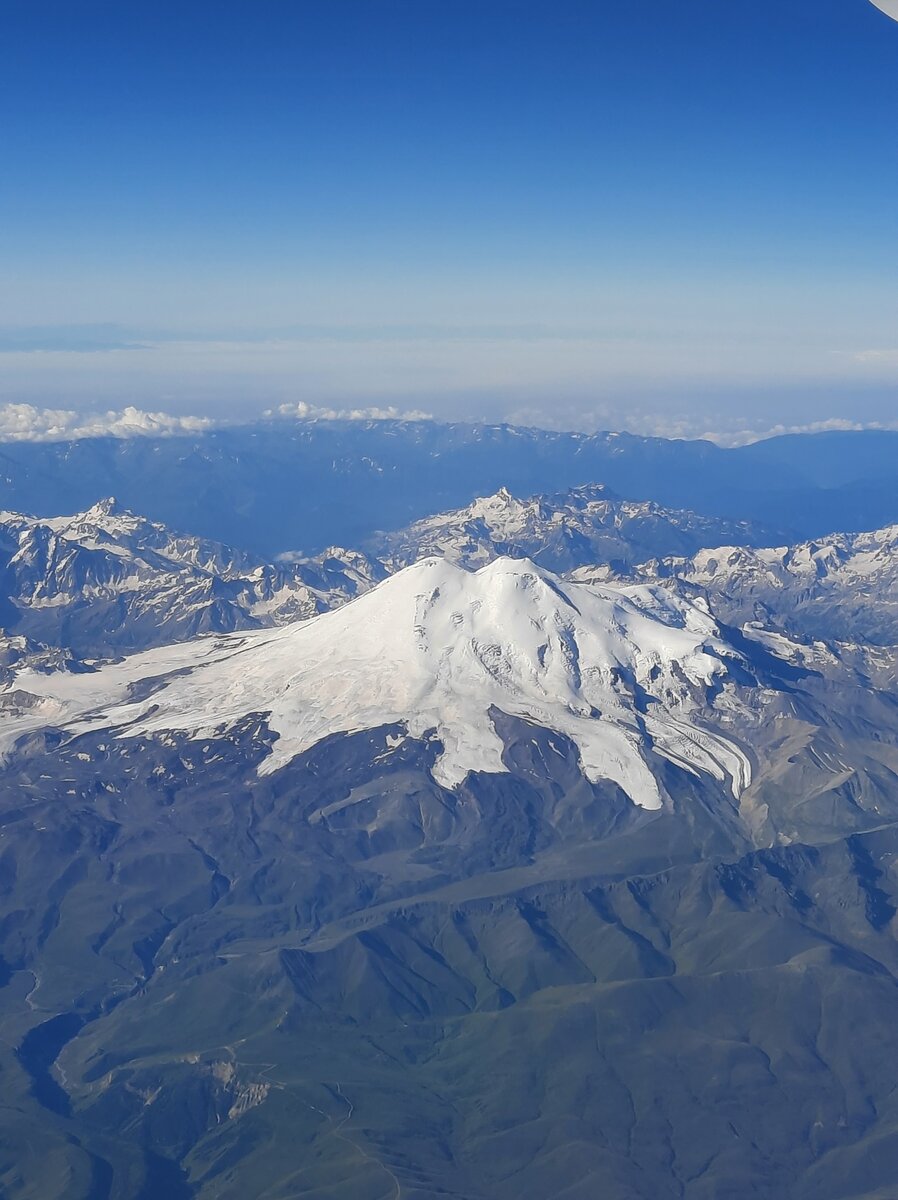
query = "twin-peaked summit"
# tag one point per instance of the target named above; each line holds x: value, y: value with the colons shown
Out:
x: 627, y: 674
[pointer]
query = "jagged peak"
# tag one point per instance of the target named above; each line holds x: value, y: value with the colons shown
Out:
x: 108, y: 506
x: 502, y: 499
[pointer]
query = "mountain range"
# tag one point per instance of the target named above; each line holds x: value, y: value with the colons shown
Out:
x: 570, y: 529
x: 540, y: 847
x: 107, y: 580
x: 843, y: 587
x: 278, y: 486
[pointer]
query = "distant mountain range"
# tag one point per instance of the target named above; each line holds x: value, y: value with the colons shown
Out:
x: 276, y: 487
x: 562, y: 531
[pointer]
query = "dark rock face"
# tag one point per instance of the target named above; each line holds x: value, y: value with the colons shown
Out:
x: 525, y: 987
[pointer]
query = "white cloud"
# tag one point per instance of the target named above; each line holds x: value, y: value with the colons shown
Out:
x: 29, y: 423
x: 745, y: 437
x: 888, y: 358
x: 302, y: 411
x: 26, y: 423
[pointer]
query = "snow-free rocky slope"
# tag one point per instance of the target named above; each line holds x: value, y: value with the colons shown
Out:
x: 628, y: 675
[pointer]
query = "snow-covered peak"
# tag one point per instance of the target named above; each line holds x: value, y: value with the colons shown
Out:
x: 621, y: 672
x: 583, y: 526
x: 105, y: 526
x: 107, y: 507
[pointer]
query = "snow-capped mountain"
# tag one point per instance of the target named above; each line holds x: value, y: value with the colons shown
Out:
x: 630, y: 676
x: 840, y: 588
x: 106, y: 580
x: 570, y: 529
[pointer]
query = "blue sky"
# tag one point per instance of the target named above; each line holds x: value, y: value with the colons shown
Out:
x: 578, y: 213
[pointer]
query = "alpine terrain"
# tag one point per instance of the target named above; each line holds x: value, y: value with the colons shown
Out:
x: 472, y: 879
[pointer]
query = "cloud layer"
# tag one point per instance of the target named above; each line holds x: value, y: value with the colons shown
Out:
x: 26, y: 423
x: 746, y: 437
x: 302, y: 411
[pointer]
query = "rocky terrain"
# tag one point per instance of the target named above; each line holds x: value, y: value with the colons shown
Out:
x: 570, y: 529
x: 106, y: 580
x: 840, y: 588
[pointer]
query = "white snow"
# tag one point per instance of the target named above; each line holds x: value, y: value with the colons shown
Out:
x: 435, y: 648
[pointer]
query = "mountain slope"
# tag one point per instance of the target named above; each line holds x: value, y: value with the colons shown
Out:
x: 485, y: 886
x: 342, y: 978
x: 840, y: 588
